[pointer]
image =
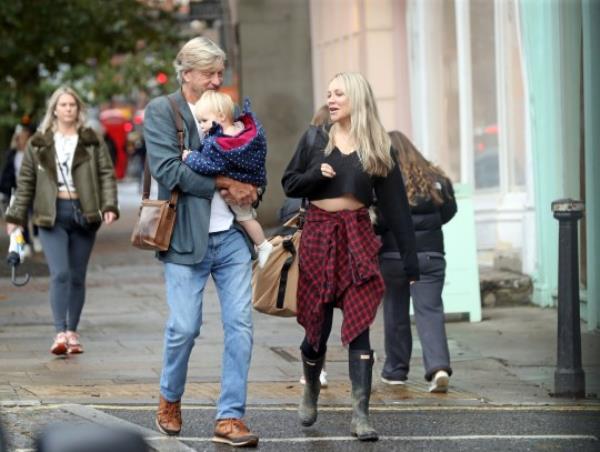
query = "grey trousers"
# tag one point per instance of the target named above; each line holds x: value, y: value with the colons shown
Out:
x: 67, y: 249
x: 428, y: 311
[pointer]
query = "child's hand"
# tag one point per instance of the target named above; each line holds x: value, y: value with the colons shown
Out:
x: 185, y: 154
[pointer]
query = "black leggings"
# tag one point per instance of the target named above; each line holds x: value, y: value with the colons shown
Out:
x: 361, y: 342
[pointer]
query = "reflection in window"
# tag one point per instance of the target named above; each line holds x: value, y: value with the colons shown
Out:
x: 515, y: 98
x: 448, y: 153
x: 485, y: 116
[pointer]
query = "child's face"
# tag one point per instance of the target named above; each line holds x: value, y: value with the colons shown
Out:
x: 206, y: 117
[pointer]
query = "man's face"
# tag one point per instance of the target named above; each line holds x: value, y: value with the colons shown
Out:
x: 200, y: 80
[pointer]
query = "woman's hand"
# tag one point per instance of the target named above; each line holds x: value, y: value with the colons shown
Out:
x: 10, y: 227
x: 109, y: 217
x: 327, y: 170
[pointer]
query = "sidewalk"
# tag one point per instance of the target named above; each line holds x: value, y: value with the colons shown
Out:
x: 507, y: 359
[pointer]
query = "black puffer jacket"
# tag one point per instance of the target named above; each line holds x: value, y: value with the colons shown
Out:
x: 427, y: 221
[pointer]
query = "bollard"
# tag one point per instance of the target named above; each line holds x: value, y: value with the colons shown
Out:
x: 569, y: 378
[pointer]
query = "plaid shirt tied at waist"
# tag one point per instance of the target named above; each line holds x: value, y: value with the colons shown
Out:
x: 338, y: 264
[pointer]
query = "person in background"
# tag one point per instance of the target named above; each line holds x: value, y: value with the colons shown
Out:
x: 65, y: 167
x: 432, y: 204
x: 8, y: 181
x: 338, y: 175
x: 234, y: 147
x: 205, y: 242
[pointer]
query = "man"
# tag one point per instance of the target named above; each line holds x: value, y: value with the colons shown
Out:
x: 205, y: 242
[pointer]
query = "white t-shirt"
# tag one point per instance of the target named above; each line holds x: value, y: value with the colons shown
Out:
x: 221, y: 217
x: 65, y: 150
x: 17, y: 163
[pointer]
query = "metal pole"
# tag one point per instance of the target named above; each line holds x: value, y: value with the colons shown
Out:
x: 569, y: 378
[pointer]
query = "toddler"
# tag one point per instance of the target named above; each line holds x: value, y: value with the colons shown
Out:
x: 234, y: 148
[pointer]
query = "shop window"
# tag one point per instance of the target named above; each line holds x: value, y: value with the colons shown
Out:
x: 515, y: 97
x: 485, y: 106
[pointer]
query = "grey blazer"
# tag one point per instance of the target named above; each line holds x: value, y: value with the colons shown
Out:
x: 190, y: 236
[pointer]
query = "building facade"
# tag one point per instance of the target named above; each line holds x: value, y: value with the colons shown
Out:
x: 500, y: 95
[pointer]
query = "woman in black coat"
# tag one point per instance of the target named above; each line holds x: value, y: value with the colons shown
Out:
x: 432, y: 204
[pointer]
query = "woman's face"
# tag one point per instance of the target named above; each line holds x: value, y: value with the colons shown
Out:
x: 66, y: 110
x: 338, y: 102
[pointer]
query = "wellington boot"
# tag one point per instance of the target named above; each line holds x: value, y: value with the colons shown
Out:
x: 307, y: 411
x: 360, y: 366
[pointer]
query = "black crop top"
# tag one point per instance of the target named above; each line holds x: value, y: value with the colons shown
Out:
x: 303, y: 179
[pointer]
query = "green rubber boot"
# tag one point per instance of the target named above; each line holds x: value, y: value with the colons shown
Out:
x: 360, y: 366
x: 307, y: 411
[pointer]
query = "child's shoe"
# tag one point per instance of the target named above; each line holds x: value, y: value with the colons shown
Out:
x: 264, y: 250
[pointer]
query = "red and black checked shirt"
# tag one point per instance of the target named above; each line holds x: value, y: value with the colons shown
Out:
x: 338, y: 264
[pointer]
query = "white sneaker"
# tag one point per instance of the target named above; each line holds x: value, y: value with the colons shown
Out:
x: 387, y: 381
x: 322, y: 378
x: 440, y: 382
x: 264, y: 250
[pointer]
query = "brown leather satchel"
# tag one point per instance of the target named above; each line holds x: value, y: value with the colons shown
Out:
x: 156, y: 220
x: 275, y: 285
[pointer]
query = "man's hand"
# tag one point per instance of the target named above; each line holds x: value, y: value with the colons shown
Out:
x: 235, y: 192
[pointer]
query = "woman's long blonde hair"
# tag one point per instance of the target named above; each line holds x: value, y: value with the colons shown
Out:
x: 49, y: 121
x: 421, y: 177
x: 366, y: 129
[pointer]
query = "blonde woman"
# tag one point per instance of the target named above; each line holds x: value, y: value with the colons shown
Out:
x: 66, y: 169
x: 338, y: 174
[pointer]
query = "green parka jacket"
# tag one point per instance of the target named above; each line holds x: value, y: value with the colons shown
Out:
x: 37, y: 185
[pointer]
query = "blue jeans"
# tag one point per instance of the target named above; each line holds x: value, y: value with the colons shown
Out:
x: 228, y: 261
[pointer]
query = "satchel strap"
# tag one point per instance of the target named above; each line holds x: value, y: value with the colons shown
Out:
x: 180, y: 138
x: 288, y: 245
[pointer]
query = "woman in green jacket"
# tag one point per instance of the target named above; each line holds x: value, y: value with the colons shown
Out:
x: 68, y: 179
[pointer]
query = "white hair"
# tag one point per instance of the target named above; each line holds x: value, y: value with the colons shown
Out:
x: 198, y: 53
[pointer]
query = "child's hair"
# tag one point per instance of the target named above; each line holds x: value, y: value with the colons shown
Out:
x: 220, y: 103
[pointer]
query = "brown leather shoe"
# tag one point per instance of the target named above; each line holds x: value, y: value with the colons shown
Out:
x: 168, y: 417
x: 234, y: 432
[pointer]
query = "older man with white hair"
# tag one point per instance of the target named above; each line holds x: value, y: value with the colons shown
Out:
x: 206, y: 241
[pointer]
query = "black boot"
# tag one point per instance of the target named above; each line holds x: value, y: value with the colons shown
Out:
x: 360, y: 365
x: 307, y: 411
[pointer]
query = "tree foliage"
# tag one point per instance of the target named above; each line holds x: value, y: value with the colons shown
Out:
x: 103, y: 47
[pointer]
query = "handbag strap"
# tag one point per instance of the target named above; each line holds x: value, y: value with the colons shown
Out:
x: 289, y: 246
x: 180, y: 138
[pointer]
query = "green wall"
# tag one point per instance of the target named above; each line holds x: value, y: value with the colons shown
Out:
x: 591, y: 86
x: 552, y: 32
